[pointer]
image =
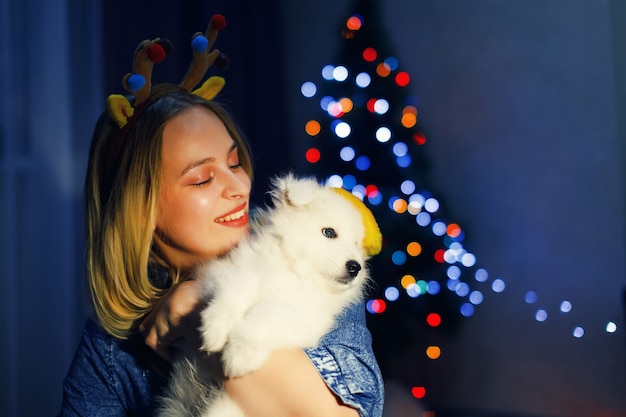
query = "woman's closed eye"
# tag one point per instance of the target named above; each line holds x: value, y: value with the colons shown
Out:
x: 233, y: 159
x: 206, y: 181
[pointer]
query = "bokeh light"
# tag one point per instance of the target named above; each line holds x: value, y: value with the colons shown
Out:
x: 313, y: 155
x: 340, y: 73
x: 363, y: 80
x: 391, y: 62
x: 400, y: 149
x: 433, y: 319
x: 347, y: 153
x: 531, y: 297
x: 312, y: 128
x: 327, y: 72
x: 541, y: 315
x: 419, y: 138
x: 578, y: 332
x: 476, y: 297
x: 392, y: 293
x: 433, y: 352
x: 467, y: 309
x: 498, y: 285
x: 407, y: 281
x: 481, y: 275
x: 381, y: 106
x: 403, y: 79
x: 398, y: 257
x: 354, y: 22
x: 409, y: 120
x: 383, y: 69
x: 308, y: 89
x: 399, y: 205
x: 376, y: 306
x: 342, y: 130
x: 407, y: 187
x: 418, y: 392
x: 383, y: 134
x: 413, y: 248
x: 363, y: 163
x: 370, y: 54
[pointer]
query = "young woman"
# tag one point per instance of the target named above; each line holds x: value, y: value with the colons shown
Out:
x: 163, y: 194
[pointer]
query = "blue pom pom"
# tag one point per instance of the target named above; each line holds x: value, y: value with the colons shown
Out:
x: 136, y: 82
x: 199, y: 43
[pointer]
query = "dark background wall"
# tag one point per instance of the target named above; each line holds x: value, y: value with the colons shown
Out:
x: 523, y: 102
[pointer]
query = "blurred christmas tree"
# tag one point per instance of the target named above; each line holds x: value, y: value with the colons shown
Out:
x: 365, y: 137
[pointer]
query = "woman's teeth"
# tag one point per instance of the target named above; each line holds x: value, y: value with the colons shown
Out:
x: 231, y: 217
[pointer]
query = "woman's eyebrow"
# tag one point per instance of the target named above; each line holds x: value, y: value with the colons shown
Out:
x: 210, y: 159
x: 197, y: 163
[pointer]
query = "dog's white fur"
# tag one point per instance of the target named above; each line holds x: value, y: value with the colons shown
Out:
x: 281, y: 287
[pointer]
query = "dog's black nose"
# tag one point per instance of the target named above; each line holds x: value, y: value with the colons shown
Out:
x: 353, y: 268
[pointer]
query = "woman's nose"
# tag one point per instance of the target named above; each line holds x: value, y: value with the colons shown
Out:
x: 236, y: 185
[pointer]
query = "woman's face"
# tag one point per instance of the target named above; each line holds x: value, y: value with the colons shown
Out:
x: 203, y: 202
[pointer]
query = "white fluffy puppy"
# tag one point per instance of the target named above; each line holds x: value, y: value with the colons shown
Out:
x: 281, y: 287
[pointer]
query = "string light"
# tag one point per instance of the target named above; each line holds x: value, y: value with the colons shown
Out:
x: 407, y: 200
x: 354, y: 22
x: 312, y: 127
x: 363, y: 80
x: 433, y: 352
x: 383, y: 134
x: 402, y: 79
x: 418, y: 392
x: 313, y: 155
x: 370, y: 54
x: 308, y: 89
x: 391, y: 63
x: 433, y: 319
x: 383, y: 70
x: 347, y: 153
x: 392, y: 294
x: 419, y: 138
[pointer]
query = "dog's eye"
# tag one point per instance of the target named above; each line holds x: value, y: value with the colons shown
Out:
x: 329, y: 232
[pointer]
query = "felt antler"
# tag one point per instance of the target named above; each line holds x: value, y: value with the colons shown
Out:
x: 147, y: 53
x: 150, y: 52
x: 203, y: 58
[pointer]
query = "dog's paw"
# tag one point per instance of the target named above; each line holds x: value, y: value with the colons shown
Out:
x: 239, y: 358
x: 214, y: 330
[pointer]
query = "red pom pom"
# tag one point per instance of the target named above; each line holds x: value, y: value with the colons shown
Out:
x: 218, y: 22
x: 156, y: 53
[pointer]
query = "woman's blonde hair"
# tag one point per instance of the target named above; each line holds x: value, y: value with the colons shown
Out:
x: 121, y: 194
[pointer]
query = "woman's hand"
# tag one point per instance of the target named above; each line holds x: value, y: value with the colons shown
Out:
x: 287, y: 385
x: 176, y: 316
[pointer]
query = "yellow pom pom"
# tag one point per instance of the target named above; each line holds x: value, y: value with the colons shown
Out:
x: 119, y: 109
x: 373, y: 240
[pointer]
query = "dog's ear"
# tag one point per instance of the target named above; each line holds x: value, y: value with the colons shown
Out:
x: 289, y: 190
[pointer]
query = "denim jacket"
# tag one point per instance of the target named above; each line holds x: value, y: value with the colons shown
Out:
x: 113, y: 377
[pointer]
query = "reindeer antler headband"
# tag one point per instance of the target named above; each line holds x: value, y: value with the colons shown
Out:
x: 150, y: 52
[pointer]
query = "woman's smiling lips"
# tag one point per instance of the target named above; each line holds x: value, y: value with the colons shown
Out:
x: 236, y: 218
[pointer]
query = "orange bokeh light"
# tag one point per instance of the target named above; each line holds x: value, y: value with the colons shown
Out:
x: 312, y: 127
x: 354, y: 23
x: 414, y: 248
